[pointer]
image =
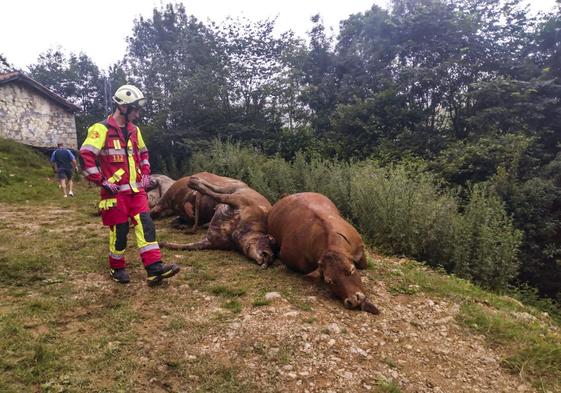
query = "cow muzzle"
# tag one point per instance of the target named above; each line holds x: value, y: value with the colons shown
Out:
x: 266, y: 258
x: 354, y: 300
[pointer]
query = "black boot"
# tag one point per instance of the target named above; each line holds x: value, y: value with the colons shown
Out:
x: 119, y: 275
x: 159, y: 271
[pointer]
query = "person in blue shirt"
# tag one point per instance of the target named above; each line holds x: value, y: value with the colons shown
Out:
x: 64, y: 163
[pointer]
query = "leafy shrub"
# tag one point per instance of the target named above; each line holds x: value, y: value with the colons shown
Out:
x: 401, y: 212
x: 400, y: 209
x: 487, y: 243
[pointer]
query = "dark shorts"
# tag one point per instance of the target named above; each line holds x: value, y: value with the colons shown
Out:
x: 63, y: 173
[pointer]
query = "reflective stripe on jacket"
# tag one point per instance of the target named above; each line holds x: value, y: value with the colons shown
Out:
x: 120, y: 162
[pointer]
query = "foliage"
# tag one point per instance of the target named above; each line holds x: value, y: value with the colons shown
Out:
x: 61, y: 283
x: 4, y: 64
x: 77, y: 78
x: 400, y: 210
x: 470, y: 87
x: 486, y: 242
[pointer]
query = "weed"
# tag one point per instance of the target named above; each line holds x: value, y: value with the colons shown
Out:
x: 385, y: 386
x: 533, y: 351
x: 233, y: 305
x: 227, y: 291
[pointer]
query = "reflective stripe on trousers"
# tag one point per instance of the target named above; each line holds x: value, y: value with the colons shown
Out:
x: 145, y: 234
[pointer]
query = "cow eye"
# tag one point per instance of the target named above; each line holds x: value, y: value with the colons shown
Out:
x: 328, y: 281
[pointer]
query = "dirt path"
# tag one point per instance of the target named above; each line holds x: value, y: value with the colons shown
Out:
x: 299, y: 340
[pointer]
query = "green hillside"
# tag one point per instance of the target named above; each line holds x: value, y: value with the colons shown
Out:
x: 25, y: 174
x: 66, y: 327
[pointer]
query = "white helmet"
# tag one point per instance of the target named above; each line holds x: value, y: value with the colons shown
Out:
x: 129, y: 95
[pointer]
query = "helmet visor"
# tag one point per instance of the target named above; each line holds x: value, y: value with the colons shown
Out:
x: 138, y: 104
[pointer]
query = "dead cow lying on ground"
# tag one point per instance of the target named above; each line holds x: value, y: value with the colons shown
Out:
x: 314, y: 239
x: 239, y: 221
x: 188, y: 204
x: 159, y: 184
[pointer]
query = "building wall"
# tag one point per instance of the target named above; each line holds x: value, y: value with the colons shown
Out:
x: 27, y: 117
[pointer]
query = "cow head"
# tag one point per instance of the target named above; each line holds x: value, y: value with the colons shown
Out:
x: 260, y: 249
x: 339, y: 273
x: 152, y: 184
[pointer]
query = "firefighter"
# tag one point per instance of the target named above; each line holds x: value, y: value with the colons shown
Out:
x: 115, y: 158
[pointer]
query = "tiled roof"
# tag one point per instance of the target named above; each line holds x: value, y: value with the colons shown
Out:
x: 39, y: 88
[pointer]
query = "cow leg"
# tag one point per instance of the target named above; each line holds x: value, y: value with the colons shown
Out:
x: 197, y: 210
x: 218, y: 234
x: 200, y: 245
x: 232, y: 186
x: 192, y: 215
x: 228, y: 199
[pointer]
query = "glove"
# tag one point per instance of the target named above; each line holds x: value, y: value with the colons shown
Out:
x: 145, y: 181
x: 112, y: 188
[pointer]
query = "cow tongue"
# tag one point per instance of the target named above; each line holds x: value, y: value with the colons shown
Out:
x: 369, y: 307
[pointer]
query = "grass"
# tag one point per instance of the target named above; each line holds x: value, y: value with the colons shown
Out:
x: 532, y: 351
x: 384, y: 386
x: 65, y: 327
x: 520, y: 332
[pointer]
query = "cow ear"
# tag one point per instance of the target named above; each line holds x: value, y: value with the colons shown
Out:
x: 314, y: 275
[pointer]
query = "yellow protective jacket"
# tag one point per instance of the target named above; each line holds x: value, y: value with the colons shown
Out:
x: 122, y: 162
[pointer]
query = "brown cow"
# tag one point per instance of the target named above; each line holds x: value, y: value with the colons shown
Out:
x: 239, y: 221
x: 159, y: 184
x: 185, y: 202
x: 314, y: 239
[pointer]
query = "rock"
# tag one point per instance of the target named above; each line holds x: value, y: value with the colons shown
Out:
x: 359, y: 351
x: 331, y: 343
x: 333, y: 328
x: 524, y: 316
x: 291, y: 314
x: 270, y: 296
x: 443, y: 321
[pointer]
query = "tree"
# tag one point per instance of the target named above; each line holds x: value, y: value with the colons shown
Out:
x: 77, y: 78
x: 4, y: 65
x: 319, y: 84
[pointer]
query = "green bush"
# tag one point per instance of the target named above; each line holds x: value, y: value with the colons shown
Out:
x: 400, y: 211
x: 269, y: 176
x: 331, y: 178
x: 487, y: 243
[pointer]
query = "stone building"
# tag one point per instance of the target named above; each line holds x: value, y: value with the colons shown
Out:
x: 32, y: 114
